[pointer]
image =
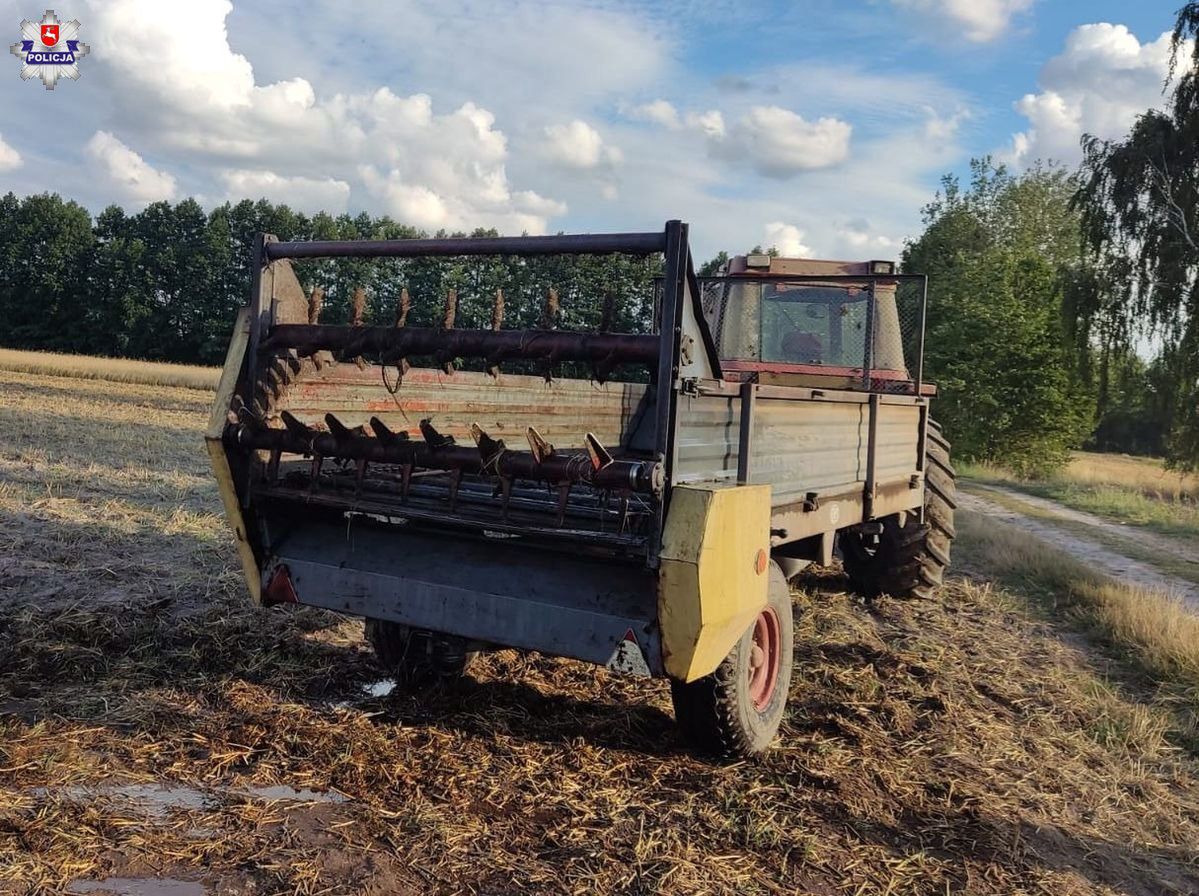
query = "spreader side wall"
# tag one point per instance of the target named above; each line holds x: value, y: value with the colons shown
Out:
x: 218, y: 456
x: 808, y: 445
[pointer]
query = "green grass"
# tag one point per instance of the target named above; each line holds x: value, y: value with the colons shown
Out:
x: 1152, y: 632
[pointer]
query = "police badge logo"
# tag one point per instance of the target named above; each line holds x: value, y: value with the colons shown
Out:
x: 58, y: 49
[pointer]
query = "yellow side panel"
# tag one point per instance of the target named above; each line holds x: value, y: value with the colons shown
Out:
x: 216, y: 450
x: 224, y: 478
x: 713, y: 577
x: 238, y: 343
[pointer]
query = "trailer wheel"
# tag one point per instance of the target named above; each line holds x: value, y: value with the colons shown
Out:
x: 735, y: 712
x: 417, y: 656
x: 908, y: 558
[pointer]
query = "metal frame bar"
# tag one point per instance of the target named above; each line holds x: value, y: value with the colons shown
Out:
x: 727, y: 389
x: 920, y: 338
x: 258, y: 265
x: 498, y: 345
x: 868, y: 349
x: 816, y: 278
x: 669, y: 328
x: 562, y: 244
x: 922, y: 452
x: 870, y: 489
x: 749, y: 393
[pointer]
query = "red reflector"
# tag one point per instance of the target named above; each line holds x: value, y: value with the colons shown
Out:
x: 280, y: 590
x: 761, y: 561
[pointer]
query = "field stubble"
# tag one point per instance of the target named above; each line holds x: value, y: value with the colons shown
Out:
x: 957, y: 745
x: 119, y: 370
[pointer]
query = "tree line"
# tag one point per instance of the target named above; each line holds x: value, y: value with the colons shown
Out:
x: 1064, y: 305
x: 166, y: 283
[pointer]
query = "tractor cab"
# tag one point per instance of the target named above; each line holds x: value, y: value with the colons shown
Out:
x: 837, y: 324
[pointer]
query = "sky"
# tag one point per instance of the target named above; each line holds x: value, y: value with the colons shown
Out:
x: 819, y: 127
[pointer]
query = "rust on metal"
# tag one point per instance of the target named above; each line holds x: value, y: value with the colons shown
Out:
x: 405, y: 307
x: 446, y: 355
x: 315, y: 300
x: 496, y: 346
x: 358, y: 307
x: 497, y: 321
x: 540, y: 448
x: 438, y: 451
x: 608, y: 314
x: 497, y: 311
x: 600, y: 458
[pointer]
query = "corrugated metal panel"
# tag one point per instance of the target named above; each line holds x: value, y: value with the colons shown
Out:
x: 898, y: 440
x: 808, y: 446
x: 563, y: 411
x: 707, y: 438
x: 798, y: 446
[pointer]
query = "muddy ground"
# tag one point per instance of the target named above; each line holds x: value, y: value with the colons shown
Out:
x: 157, y: 735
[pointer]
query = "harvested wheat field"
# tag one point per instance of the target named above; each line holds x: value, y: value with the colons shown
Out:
x: 155, y: 727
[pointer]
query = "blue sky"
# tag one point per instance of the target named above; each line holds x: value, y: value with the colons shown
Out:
x: 819, y: 126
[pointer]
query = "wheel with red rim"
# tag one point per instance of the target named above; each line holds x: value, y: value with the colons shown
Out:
x: 764, y: 650
x: 735, y: 712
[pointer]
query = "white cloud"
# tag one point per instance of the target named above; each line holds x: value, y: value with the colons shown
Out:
x: 191, y: 95
x: 659, y: 112
x: 579, y: 145
x: 421, y: 206
x: 463, y: 145
x: 979, y: 21
x: 1101, y: 81
x: 780, y: 144
x: 126, y: 171
x: 944, y: 127
x: 10, y: 159
x: 664, y: 114
x: 787, y: 238
x: 710, y: 123
x: 860, y: 237
x: 306, y: 194
x: 777, y: 142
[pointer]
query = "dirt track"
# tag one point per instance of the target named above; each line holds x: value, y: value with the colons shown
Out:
x: 1092, y: 551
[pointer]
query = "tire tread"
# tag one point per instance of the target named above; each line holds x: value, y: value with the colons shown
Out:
x: 910, y: 559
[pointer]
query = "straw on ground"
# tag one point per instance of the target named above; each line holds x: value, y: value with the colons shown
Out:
x: 972, y: 744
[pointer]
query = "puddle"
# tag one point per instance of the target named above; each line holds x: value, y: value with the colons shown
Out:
x: 283, y: 792
x: 381, y: 688
x: 139, y: 886
x: 156, y: 800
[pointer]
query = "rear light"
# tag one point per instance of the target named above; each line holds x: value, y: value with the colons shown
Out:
x: 280, y: 590
x: 757, y: 261
x: 882, y: 267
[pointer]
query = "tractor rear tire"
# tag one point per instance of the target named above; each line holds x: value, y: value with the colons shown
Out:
x: 735, y: 712
x: 416, y: 656
x: 908, y: 558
